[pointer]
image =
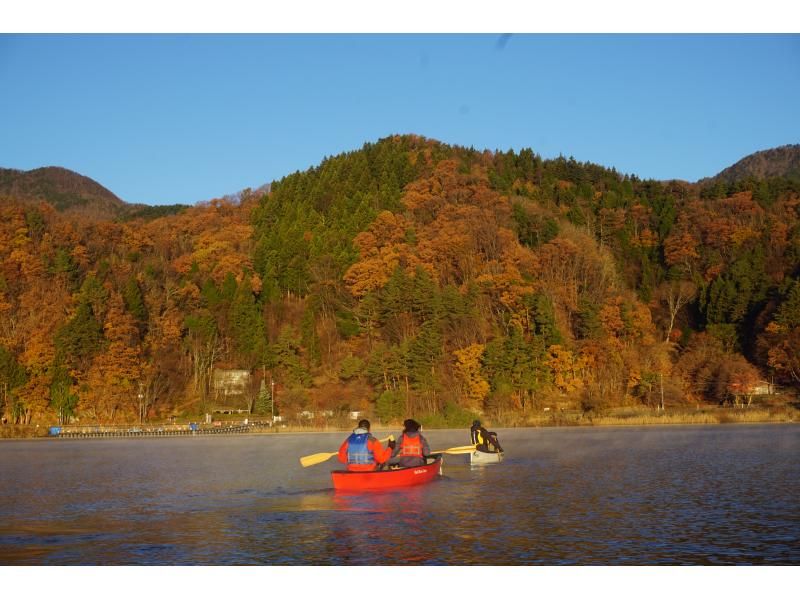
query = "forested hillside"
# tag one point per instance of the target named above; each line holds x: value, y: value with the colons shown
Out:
x: 408, y: 278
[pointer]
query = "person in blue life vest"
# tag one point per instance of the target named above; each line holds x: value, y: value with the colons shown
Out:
x: 483, y: 438
x: 412, y: 447
x: 361, y: 451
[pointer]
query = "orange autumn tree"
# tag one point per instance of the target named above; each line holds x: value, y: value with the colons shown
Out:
x: 781, y: 338
x: 735, y: 380
x: 566, y: 368
x: 784, y: 350
x: 381, y: 249
x: 216, y: 239
x: 680, y: 250
x: 474, y: 386
x: 40, y: 311
x: 113, y: 379
x: 462, y: 225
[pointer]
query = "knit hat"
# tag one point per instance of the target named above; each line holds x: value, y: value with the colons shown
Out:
x: 411, y: 426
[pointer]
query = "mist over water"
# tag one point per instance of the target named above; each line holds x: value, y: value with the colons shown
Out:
x: 649, y: 495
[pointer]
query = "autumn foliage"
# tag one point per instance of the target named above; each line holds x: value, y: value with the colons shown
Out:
x: 408, y: 278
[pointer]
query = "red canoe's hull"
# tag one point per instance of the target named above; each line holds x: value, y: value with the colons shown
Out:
x: 361, y: 481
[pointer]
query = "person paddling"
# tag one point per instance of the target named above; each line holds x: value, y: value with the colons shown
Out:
x: 482, y: 438
x: 412, y: 447
x: 361, y: 451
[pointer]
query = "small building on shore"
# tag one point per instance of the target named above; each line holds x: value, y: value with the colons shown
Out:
x: 762, y: 387
x: 231, y: 391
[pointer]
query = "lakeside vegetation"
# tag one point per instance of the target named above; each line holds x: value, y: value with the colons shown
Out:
x: 616, y: 417
x: 412, y: 278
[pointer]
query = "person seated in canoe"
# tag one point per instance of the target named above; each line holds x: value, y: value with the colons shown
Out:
x: 361, y: 451
x: 412, y: 448
x: 482, y: 438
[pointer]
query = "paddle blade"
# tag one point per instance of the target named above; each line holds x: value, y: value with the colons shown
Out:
x: 457, y: 450
x: 315, y: 459
x: 460, y: 450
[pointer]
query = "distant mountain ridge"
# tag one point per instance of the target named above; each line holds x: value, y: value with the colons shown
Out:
x: 70, y: 192
x: 783, y: 161
x: 64, y: 189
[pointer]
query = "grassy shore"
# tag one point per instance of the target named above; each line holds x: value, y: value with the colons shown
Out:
x: 613, y: 417
x: 641, y: 417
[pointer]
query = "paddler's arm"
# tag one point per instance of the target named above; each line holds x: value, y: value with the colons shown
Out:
x: 343, y: 452
x: 396, y: 447
x: 381, y: 454
x: 426, y: 448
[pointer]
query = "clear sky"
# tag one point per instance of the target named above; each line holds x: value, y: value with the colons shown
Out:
x: 183, y: 118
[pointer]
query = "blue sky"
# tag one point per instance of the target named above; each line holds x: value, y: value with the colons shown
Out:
x: 184, y: 118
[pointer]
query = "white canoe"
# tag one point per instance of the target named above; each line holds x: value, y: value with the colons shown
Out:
x: 481, y: 458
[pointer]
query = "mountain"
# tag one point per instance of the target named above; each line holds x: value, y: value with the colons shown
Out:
x: 70, y: 192
x: 783, y: 161
x: 64, y: 189
x: 407, y: 277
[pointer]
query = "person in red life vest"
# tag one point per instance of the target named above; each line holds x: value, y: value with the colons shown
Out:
x: 482, y: 438
x: 412, y: 447
x: 361, y: 451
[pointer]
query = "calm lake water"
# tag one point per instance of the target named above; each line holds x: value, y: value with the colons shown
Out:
x: 621, y: 496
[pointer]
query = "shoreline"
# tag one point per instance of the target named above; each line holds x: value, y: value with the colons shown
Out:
x: 22, y: 432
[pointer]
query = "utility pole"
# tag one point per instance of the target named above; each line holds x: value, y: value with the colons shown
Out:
x: 272, y: 400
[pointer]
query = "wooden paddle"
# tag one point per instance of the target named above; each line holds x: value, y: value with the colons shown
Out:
x: 456, y: 450
x: 317, y: 458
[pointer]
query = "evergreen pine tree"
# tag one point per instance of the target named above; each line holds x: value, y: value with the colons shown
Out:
x: 263, y: 400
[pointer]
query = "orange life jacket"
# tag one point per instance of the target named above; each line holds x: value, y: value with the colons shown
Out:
x: 410, y: 446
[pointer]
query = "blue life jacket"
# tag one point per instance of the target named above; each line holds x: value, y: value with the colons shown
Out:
x: 358, y: 452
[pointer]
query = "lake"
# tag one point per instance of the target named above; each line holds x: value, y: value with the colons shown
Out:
x: 711, y: 495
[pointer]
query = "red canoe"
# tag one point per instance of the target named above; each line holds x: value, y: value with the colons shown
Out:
x: 358, y: 481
